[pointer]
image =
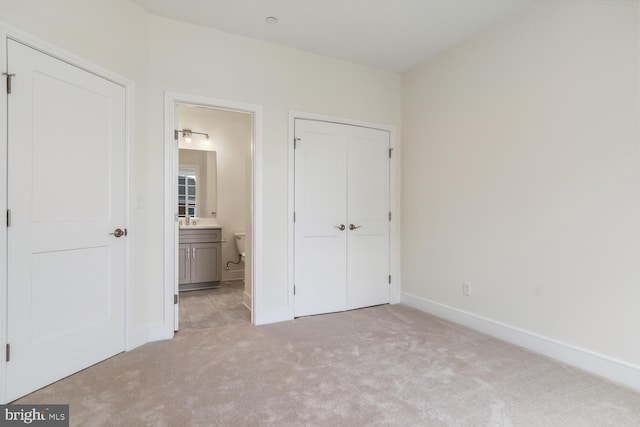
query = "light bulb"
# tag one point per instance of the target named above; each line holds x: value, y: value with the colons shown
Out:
x: 188, y: 139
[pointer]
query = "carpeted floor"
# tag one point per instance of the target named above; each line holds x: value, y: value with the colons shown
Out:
x: 380, y: 366
x: 210, y: 308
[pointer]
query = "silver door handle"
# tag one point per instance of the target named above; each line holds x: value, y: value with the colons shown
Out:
x: 340, y: 227
x: 353, y: 227
x: 193, y: 253
x: 118, y: 232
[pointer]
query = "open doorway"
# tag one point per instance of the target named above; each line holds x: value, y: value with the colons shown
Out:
x: 214, y: 160
x: 210, y: 212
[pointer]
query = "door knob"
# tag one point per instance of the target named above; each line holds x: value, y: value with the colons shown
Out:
x: 353, y: 227
x: 119, y: 232
x: 340, y: 227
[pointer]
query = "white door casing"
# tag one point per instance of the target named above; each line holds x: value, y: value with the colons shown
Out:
x: 66, y: 192
x: 341, y: 175
x: 260, y: 312
x: 178, y: 254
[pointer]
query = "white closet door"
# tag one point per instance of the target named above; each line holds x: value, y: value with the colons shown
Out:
x: 66, y: 192
x: 341, y: 179
x: 368, y: 217
x: 321, y: 210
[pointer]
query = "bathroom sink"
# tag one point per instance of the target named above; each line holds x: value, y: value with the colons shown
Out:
x: 199, y: 226
x: 200, y: 223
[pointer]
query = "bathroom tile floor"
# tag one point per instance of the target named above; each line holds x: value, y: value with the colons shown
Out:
x: 210, y: 308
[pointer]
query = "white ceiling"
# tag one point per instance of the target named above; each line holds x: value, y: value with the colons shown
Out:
x: 390, y: 34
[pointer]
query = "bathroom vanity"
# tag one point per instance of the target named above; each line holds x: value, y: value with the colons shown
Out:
x: 199, y: 257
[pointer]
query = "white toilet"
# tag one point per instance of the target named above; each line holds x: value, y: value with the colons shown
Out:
x: 239, y: 237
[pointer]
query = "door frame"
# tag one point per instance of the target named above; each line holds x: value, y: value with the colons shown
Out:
x: 9, y: 32
x: 171, y: 99
x: 394, y: 200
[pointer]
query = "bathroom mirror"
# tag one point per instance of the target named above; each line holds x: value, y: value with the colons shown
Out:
x: 197, y: 183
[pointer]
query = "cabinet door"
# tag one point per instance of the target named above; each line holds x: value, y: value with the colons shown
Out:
x: 205, y: 262
x: 184, y: 263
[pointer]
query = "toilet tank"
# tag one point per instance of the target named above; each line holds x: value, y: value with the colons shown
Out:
x: 239, y: 238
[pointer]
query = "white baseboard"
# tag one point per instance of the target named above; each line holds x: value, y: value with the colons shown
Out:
x: 232, y: 275
x: 136, y: 337
x: 157, y: 331
x: 272, y: 315
x: 598, y: 364
x: 142, y: 335
x: 246, y: 300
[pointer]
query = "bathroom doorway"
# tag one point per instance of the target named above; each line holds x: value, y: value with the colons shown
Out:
x: 210, y: 187
x: 214, y: 153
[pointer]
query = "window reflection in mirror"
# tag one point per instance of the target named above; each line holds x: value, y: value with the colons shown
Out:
x: 187, y: 191
x: 197, y: 183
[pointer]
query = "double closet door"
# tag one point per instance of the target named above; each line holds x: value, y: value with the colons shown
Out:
x: 342, y: 217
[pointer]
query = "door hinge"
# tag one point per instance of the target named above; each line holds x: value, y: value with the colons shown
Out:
x: 8, y: 355
x: 9, y: 76
x: 294, y: 289
x: 389, y: 279
x: 389, y: 216
x: 295, y: 143
x: 8, y: 217
x: 294, y: 217
x: 175, y: 298
x: 390, y: 151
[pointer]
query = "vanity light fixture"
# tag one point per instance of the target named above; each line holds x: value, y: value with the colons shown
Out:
x: 187, y: 133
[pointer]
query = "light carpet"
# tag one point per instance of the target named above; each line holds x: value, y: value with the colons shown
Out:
x: 380, y: 366
x: 210, y: 308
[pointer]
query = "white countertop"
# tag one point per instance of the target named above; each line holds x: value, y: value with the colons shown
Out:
x: 199, y: 227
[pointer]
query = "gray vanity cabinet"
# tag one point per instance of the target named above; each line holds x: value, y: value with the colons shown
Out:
x: 199, y: 258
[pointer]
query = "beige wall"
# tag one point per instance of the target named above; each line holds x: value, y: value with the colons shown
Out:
x: 521, y: 175
x: 230, y: 134
x: 233, y: 144
x: 520, y: 155
x: 97, y: 31
x: 158, y: 54
x: 279, y: 79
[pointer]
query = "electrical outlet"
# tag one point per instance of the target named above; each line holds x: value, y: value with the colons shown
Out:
x: 466, y: 289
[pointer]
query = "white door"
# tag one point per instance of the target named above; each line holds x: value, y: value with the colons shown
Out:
x: 66, y: 193
x: 368, y: 223
x: 320, y: 222
x: 341, y: 217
